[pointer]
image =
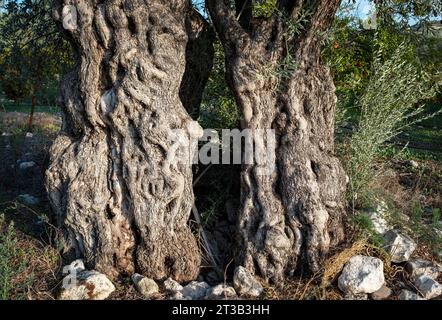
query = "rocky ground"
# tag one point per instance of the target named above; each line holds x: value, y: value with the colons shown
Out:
x: 392, y: 252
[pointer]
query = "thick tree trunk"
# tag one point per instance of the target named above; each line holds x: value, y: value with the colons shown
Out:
x: 122, y: 204
x: 292, y: 217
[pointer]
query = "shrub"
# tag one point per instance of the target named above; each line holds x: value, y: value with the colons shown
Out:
x: 388, y: 105
x: 218, y: 108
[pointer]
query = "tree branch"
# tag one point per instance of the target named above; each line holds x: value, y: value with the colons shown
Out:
x: 227, y: 26
x: 324, y: 14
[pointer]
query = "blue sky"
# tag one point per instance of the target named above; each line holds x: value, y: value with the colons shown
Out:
x: 364, y: 8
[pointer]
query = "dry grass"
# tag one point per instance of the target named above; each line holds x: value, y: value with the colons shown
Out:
x: 38, y: 279
x: 402, y: 187
x: 32, y: 263
x: 322, y: 285
x: 11, y: 121
x: 415, y: 194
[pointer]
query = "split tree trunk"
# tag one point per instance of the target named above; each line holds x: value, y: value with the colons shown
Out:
x: 292, y: 217
x: 122, y: 205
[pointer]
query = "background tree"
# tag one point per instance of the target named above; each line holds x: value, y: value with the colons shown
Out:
x: 32, y: 53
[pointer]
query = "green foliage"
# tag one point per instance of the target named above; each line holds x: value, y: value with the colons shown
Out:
x: 284, y: 69
x: 32, y: 52
x: 218, y: 108
x: 213, y: 211
x: 366, y: 225
x: 402, y: 12
x: 391, y: 151
x: 264, y: 8
x: 348, y: 54
x: 423, y: 232
x: 435, y: 216
x: 350, y: 51
x: 387, y: 106
x: 9, y: 254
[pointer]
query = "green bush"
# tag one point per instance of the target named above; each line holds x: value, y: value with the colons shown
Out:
x: 218, y: 108
x: 388, y: 105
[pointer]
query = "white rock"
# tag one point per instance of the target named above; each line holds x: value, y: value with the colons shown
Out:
x: 147, y: 287
x: 172, y: 286
x: 421, y: 267
x: 86, y: 285
x: 29, y: 135
x: 220, y: 292
x: 246, y: 284
x: 382, y: 208
x: 428, y: 287
x: 75, y: 267
x: 362, y: 274
x: 377, y: 217
x: 27, y: 165
x: 413, y: 164
x: 382, y: 294
x: 195, y: 290
x: 28, y: 199
x: 399, y: 246
x: 408, y: 295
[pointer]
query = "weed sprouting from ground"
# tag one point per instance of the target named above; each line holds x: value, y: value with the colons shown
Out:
x: 9, y: 254
x: 366, y: 227
x: 28, y: 266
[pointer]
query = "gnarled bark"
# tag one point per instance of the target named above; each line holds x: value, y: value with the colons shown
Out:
x: 292, y: 217
x: 122, y: 205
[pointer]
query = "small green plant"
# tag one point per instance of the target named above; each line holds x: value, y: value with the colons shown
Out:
x: 417, y: 212
x: 218, y: 108
x: 293, y: 26
x: 28, y: 267
x: 425, y: 232
x: 212, y: 213
x: 366, y: 225
x: 435, y: 216
x: 264, y: 8
x: 9, y: 254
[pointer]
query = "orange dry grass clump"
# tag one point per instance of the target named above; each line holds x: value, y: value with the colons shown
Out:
x: 321, y: 285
